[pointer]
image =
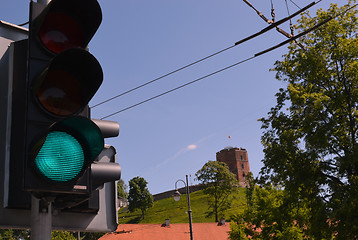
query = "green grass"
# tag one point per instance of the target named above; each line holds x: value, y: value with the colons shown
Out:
x: 176, y: 212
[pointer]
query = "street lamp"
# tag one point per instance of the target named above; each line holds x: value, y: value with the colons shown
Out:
x: 177, y: 198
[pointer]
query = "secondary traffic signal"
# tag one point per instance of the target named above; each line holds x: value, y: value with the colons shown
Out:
x: 61, y: 140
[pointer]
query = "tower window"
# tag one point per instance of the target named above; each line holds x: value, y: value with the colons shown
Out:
x: 242, y: 166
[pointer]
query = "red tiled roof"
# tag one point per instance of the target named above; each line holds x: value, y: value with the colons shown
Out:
x: 179, y: 231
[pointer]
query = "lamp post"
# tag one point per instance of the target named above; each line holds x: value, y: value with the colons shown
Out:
x: 177, y: 197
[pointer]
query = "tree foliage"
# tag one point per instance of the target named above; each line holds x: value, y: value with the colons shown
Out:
x: 310, y: 136
x: 269, y: 214
x: 219, y: 183
x: 122, y: 189
x: 14, y: 234
x: 61, y: 235
x: 139, y: 196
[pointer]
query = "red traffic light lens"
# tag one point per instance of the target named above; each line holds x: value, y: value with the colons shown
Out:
x: 60, y: 31
x: 60, y: 93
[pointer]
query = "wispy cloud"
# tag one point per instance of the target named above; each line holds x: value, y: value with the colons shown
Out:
x: 192, y: 147
x: 180, y: 152
x: 177, y: 155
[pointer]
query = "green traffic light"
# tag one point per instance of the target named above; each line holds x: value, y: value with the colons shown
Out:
x: 61, y: 157
x: 68, y: 149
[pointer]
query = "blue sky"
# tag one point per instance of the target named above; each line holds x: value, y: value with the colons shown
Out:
x: 174, y: 135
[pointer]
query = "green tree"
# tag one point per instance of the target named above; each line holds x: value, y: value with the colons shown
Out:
x: 7, y: 234
x: 310, y: 136
x: 269, y: 214
x: 237, y: 230
x: 139, y: 196
x: 14, y: 234
x: 218, y: 183
x: 62, y: 235
x: 122, y: 189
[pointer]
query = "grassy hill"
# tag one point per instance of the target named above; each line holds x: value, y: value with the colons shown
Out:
x: 176, y: 212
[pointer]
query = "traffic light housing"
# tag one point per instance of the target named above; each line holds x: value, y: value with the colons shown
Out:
x: 62, y: 77
x: 31, y: 123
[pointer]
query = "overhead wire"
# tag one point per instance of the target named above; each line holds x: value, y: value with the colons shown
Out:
x: 288, y: 10
x: 299, y: 8
x: 163, y: 76
x: 226, y: 68
x: 295, y: 4
x: 258, y: 12
x: 280, y: 30
x: 273, y: 25
x: 176, y: 88
x: 293, y: 29
x: 238, y: 63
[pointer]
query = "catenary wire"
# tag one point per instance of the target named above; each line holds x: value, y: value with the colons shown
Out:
x: 211, y: 55
x: 235, y: 64
x: 295, y: 4
x: 273, y: 21
x: 288, y: 10
x: 163, y: 76
x: 181, y: 86
x: 275, y: 24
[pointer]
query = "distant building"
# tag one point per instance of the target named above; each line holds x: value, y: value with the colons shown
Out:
x: 237, y: 161
x: 122, y: 202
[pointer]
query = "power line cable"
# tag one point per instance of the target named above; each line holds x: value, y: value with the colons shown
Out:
x: 273, y: 20
x: 305, y: 32
x: 181, y: 86
x: 295, y: 4
x: 294, y: 38
x: 209, y: 56
x: 163, y: 76
x: 288, y: 9
x: 258, y: 12
x: 275, y: 24
x: 235, y: 64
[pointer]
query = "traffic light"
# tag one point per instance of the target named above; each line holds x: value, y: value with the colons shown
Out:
x: 61, y: 140
x: 50, y: 147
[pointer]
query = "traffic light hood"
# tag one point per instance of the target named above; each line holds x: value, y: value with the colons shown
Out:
x: 65, y: 24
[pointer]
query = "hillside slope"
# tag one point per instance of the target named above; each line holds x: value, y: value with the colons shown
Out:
x: 176, y: 212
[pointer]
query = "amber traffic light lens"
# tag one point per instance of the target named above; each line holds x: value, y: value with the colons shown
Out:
x: 71, y: 79
x: 60, y: 93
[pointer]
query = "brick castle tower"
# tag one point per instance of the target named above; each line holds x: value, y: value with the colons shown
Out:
x: 237, y: 161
